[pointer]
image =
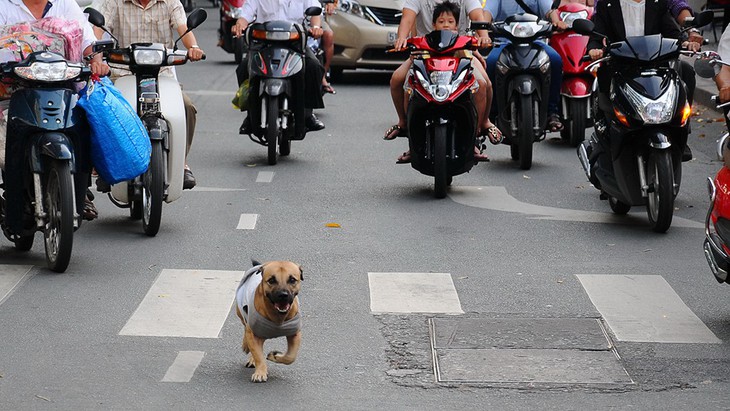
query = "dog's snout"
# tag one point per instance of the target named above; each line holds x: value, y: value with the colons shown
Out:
x: 282, y: 296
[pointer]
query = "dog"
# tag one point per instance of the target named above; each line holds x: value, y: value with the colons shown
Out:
x: 268, y: 306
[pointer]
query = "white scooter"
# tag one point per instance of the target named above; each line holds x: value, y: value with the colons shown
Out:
x: 159, y: 103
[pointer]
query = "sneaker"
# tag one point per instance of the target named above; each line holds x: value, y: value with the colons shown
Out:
x: 188, y: 180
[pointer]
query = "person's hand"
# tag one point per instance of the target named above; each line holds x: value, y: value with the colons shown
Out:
x: 484, y: 41
x: 692, y: 45
x: 99, y: 67
x: 724, y: 94
x: 195, y: 53
x: 239, y: 27
x: 316, y: 31
x: 400, y: 43
x: 695, y: 36
x: 330, y: 8
x: 560, y: 25
x: 595, y: 54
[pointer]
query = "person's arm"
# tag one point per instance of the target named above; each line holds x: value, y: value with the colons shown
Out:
x: 195, y: 53
x: 248, y: 13
x: 407, y: 20
x: 315, y: 28
x: 477, y: 14
x: 723, y: 84
x: 595, y: 44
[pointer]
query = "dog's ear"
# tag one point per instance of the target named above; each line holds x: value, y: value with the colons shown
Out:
x: 254, y: 262
x: 301, y: 273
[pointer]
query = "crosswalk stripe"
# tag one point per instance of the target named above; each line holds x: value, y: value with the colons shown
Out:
x: 185, y: 303
x: 413, y: 293
x: 645, y: 308
x: 265, y: 177
x: 184, y: 366
x: 247, y: 222
x: 10, y: 277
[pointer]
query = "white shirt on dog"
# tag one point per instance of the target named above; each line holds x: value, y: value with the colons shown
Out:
x: 261, y: 326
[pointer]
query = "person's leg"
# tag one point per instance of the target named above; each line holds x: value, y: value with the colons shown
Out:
x: 398, y: 95
x: 687, y: 74
x: 190, y: 120
x: 491, y: 59
x: 328, y: 46
x: 313, y: 74
x: 556, y: 79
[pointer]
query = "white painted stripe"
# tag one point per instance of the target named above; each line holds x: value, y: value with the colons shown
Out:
x: 645, y: 308
x: 497, y: 198
x: 208, y: 92
x: 184, y: 367
x: 413, y: 293
x: 265, y: 177
x: 215, y: 189
x: 247, y: 222
x: 10, y: 277
x: 185, y: 303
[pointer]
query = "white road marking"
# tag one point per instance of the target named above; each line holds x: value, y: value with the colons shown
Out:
x: 184, y: 367
x: 265, y: 177
x: 215, y: 189
x: 413, y: 293
x: 185, y: 303
x: 210, y: 93
x: 645, y: 308
x: 497, y: 198
x: 10, y: 277
x: 247, y: 222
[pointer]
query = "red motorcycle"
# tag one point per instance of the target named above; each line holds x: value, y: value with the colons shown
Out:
x: 230, y: 11
x: 442, y: 118
x: 577, y: 83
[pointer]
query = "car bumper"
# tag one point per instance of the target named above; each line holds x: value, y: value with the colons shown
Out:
x: 360, y: 43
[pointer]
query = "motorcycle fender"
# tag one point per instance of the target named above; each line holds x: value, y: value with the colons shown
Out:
x: 52, y: 145
x: 659, y: 141
x: 525, y: 85
x: 274, y: 87
x: 576, y: 87
x: 157, y: 129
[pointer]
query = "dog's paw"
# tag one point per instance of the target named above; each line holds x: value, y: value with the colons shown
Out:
x: 259, y: 376
x: 274, y: 356
x: 250, y: 363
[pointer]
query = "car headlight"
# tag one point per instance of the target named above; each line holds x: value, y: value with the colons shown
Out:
x: 148, y: 57
x: 650, y: 111
x: 352, y: 7
x: 568, y: 18
x: 57, y: 71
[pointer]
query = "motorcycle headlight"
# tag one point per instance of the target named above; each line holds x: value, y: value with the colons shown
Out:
x: 568, y: 18
x: 148, y: 57
x: 57, y: 71
x: 352, y: 7
x: 650, y: 111
x: 523, y: 30
x: 442, y: 86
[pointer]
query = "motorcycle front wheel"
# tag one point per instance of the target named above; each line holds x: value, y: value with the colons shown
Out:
x: 153, y: 187
x: 660, y: 202
x: 59, y: 208
x: 272, y: 127
x: 440, y: 168
x: 577, y: 107
x: 525, y: 123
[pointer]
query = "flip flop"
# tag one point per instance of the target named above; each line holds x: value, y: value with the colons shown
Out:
x: 90, y: 212
x: 479, y: 156
x: 493, y: 134
x: 404, y: 158
x: 327, y: 88
x: 395, y: 131
x: 554, y: 123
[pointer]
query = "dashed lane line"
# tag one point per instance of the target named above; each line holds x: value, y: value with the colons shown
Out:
x: 247, y: 222
x: 413, y: 293
x: 265, y: 177
x: 184, y: 366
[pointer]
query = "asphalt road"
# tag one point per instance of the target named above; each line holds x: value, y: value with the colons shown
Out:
x: 529, y: 261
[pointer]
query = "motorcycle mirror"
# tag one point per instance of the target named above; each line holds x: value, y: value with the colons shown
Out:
x: 479, y: 25
x: 313, y: 11
x: 705, y: 68
x: 703, y: 18
x: 95, y: 17
x: 583, y: 26
x: 102, y: 45
x: 196, y: 18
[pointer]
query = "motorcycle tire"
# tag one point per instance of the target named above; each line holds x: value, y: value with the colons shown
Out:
x: 272, y: 128
x: 440, y: 166
x: 524, y: 132
x: 577, y: 109
x: 660, y: 178
x: 284, y: 145
x: 58, y: 204
x: 153, y: 190
x: 136, y: 208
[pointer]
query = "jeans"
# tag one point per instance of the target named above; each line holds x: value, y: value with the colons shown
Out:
x: 556, y: 71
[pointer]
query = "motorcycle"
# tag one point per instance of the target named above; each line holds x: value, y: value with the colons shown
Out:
x: 576, y: 88
x: 276, y: 69
x: 441, y: 116
x: 717, y: 223
x: 634, y: 155
x: 47, y: 153
x: 522, y: 84
x: 230, y: 11
x: 159, y: 103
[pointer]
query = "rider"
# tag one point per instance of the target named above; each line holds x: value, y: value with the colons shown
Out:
x: 291, y: 11
x: 422, y: 15
x: 136, y: 21
x: 17, y: 11
x: 722, y: 79
x: 501, y: 9
x: 328, y: 45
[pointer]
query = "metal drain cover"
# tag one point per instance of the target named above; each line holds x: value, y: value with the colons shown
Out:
x: 524, y: 350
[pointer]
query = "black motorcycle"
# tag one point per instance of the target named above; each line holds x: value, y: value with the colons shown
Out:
x: 522, y: 84
x: 47, y: 155
x: 634, y: 156
x: 276, y: 69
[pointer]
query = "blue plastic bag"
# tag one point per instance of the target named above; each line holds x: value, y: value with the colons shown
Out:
x: 120, y: 144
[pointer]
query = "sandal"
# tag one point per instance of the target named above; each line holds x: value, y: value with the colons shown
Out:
x: 493, y: 134
x: 327, y: 88
x: 554, y: 123
x: 395, y: 131
x: 479, y: 156
x: 404, y: 158
x: 90, y: 212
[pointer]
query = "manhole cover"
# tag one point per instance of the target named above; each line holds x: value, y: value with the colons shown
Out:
x: 524, y: 350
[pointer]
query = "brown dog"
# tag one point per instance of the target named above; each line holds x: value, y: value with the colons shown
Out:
x: 267, y: 304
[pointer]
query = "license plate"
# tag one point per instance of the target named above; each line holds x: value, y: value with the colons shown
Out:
x: 391, y: 37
